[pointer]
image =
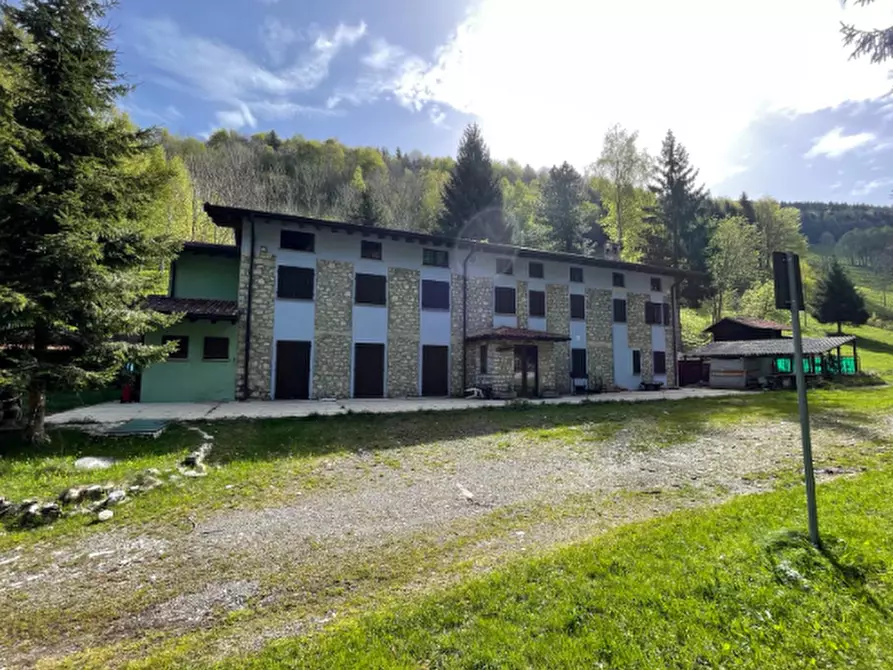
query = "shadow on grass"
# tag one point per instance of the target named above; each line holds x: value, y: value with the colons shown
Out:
x: 796, y: 562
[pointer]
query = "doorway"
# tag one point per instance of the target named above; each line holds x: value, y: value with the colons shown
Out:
x: 368, y: 371
x: 435, y: 370
x: 527, y: 373
x: 292, y: 370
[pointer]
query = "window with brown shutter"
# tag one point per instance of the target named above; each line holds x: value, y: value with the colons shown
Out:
x: 578, y: 306
x: 182, y: 350
x: 294, y: 283
x: 505, y: 300
x: 660, y: 362
x: 619, y: 310
x: 537, y: 303
x: 371, y: 289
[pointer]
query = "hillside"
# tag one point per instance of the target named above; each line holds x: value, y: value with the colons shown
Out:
x: 838, y: 218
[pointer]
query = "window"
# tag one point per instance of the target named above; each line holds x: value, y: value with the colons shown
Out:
x: 483, y: 355
x: 435, y: 294
x: 296, y: 240
x: 619, y: 311
x: 660, y: 362
x: 370, y: 249
x: 654, y: 313
x: 618, y: 280
x: 505, y: 300
x: 504, y: 266
x: 668, y: 318
x: 182, y: 352
x: 578, y: 306
x: 537, y: 303
x: 637, y: 362
x: 371, y: 290
x: 578, y: 363
x: 216, y: 349
x: 436, y: 257
x: 577, y: 275
x: 655, y: 284
x: 535, y: 270
x: 295, y: 283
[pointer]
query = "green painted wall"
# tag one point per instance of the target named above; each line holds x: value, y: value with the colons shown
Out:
x: 212, y: 277
x: 192, y: 380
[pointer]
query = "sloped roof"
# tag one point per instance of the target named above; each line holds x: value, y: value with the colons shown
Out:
x: 230, y: 250
x: 751, y: 322
x: 777, y: 347
x: 196, y: 308
x: 508, y: 333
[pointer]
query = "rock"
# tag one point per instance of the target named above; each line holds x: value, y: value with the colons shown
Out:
x: 71, y: 496
x: 105, y: 515
x: 115, y: 497
x: 94, y: 492
x: 50, y: 511
x: 6, y: 506
x: 153, y: 471
x: 94, y: 463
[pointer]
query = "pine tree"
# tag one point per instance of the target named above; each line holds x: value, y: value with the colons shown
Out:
x: 837, y: 300
x: 747, y: 208
x: 472, y: 198
x: 677, y: 235
x: 560, y: 209
x: 367, y: 211
x: 75, y: 258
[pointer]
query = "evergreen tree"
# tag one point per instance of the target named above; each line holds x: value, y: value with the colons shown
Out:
x: 75, y: 257
x: 837, y: 300
x: 560, y: 208
x: 747, y: 208
x: 472, y: 199
x: 678, y: 234
x: 367, y: 211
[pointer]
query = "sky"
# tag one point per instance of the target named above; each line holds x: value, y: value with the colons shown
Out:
x: 761, y: 92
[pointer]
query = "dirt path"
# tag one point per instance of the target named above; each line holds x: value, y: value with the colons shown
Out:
x: 414, y: 518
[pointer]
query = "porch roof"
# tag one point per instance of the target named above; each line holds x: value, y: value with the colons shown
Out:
x: 759, y: 348
x: 195, y: 308
x: 509, y: 333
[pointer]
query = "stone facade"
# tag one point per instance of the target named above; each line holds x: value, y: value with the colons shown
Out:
x: 600, y: 338
x: 260, y: 356
x: 457, y: 346
x: 500, y: 366
x: 558, y: 320
x: 404, y: 325
x: 480, y: 303
x: 521, y: 308
x: 546, y: 362
x: 333, y: 338
x: 639, y: 332
x: 669, y: 334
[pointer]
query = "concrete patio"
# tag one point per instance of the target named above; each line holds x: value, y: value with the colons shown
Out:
x: 114, y: 412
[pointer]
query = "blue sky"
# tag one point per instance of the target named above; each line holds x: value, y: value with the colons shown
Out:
x: 760, y: 91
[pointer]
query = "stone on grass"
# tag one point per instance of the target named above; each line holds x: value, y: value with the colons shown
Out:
x: 115, y: 497
x: 71, y: 496
x: 105, y: 515
x: 50, y: 511
x: 94, y: 492
x: 94, y: 463
x: 6, y: 506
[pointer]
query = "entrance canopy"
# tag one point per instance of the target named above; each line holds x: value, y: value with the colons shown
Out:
x: 517, y: 334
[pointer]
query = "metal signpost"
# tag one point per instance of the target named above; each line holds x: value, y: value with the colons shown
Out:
x: 789, y: 294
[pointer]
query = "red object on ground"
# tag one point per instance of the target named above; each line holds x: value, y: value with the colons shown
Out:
x: 127, y: 393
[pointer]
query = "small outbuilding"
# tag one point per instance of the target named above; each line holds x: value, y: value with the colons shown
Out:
x: 752, y: 363
x: 736, y: 328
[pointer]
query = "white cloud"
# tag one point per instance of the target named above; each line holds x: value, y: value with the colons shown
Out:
x: 437, y: 115
x: 836, y: 185
x: 865, y: 187
x: 835, y: 143
x: 277, y: 38
x: 236, y: 118
x: 220, y: 73
x: 547, y: 80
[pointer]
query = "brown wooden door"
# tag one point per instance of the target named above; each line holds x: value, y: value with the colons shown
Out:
x: 435, y: 370
x: 368, y: 371
x: 292, y: 369
x: 527, y: 374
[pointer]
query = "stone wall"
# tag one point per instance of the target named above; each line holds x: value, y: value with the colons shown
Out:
x: 670, y: 339
x: 500, y: 366
x: 404, y: 325
x: 639, y: 332
x: 521, y: 308
x: 457, y: 346
x: 333, y: 329
x: 558, y: 320
x: 260, y: 356
x: 600, y: 337
x: 546, y: 361
x: 480, y: 304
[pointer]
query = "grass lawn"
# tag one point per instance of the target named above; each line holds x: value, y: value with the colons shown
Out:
x: 733, y: 586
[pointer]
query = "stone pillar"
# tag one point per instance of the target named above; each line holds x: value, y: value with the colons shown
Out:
x: 670, y: 339
x: 457, y: 345
x: 333, y: 335
x: 546, y: 362
x: 558, y: 320
x: 260, y: 355
x: 521, y: 308
x: 639, y: 332
x: 404, y: 326
x: 600, y: 337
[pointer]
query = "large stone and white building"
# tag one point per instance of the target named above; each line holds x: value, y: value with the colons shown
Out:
x: 322, y: 309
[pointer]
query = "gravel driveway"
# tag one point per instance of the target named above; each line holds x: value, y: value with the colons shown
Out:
x: 465, y: 502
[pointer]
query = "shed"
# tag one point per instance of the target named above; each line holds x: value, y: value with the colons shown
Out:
x: 738, y: 328
x: 742, y: 363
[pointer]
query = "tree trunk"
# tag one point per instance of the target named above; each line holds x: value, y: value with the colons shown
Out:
x: 839, y: 328
x: 35, y: 431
